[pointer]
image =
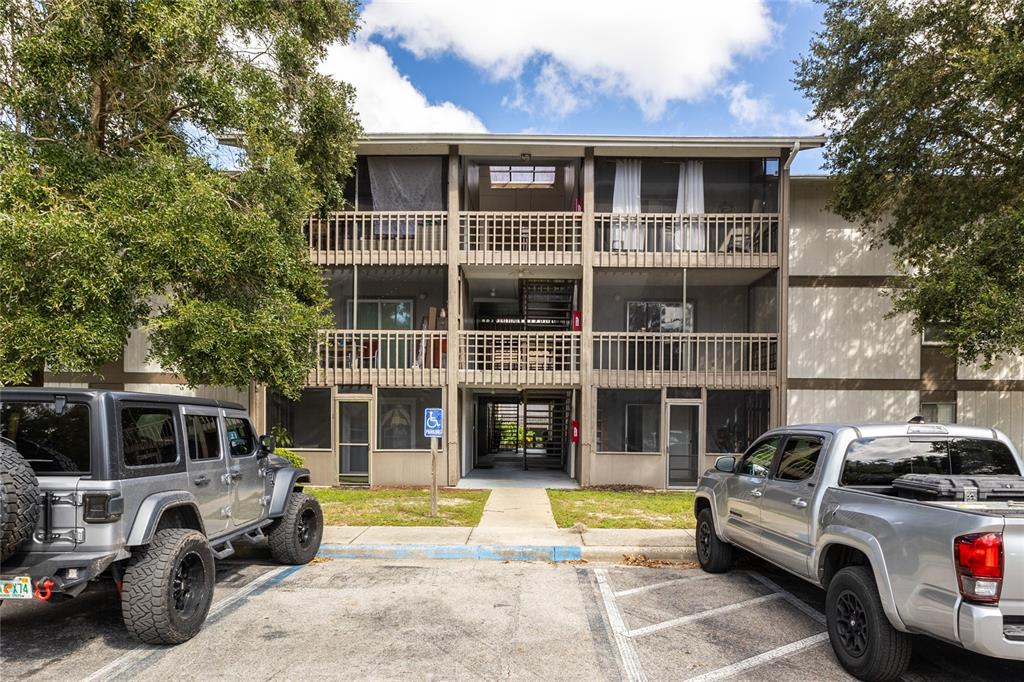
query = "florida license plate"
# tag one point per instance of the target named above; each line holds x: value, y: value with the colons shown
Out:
x: 16, y: 588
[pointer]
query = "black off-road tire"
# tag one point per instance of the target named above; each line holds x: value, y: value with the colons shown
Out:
x: 168, y: 587
x: 19, y: 500
x: 713, y: 553
x: 863, y: 639
x: 295, y: 537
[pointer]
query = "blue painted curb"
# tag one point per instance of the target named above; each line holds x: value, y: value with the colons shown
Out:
x: 481, y: 552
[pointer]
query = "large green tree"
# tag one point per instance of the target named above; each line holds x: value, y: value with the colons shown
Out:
x: 112, y: 214
x: 924, y: 106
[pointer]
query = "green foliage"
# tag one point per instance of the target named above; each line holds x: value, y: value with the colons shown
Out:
x: 281, y: 436
x: 596, y: 508
x: 293, y: 458
x: 111, y: 213
x: 922, y: 101
x: 399, y: 506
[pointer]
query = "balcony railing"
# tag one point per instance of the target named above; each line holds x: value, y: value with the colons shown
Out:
x: 645, y: 359
x: 378, y: 238
x: 383, y: 357
x: 686, y: 240
x: 519, y: 358
x: 521, y: 237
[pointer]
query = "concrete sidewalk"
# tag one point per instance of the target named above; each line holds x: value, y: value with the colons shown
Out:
x: 507, y: 542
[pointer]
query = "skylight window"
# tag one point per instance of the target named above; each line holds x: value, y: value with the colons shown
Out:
x: 514, y: 177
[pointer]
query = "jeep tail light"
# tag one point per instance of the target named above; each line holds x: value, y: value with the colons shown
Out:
x: 102, y: 507
x: 979, y: 566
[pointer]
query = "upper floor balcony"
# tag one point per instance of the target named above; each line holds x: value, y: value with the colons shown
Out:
x: 378, y: 238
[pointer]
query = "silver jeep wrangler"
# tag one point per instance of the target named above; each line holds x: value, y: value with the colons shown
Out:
x: 146, y: 489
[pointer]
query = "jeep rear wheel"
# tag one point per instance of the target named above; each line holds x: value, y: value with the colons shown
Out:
x: 295, y: 537
x: 19, y: 500
x: 168, y: 587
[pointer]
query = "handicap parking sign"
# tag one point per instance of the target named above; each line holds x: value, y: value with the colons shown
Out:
x: 433, y: 422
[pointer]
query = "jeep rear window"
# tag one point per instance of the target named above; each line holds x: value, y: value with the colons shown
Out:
x: 879, y: 461
x: 53, y: 442
x: 147, y: 436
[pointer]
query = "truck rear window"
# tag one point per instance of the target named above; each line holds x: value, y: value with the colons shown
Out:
x: 879, y: 461
x: 52, y: 441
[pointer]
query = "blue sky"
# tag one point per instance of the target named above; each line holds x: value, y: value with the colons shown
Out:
x: 639, y: 68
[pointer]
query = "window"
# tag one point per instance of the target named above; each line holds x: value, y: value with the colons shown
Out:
x: 735, y: 419
x: 515, y: 177
x: 241, y: 439
x: 147, y: 436
x: 643, y: 428
x: 879, y: 461
x: 400, y: 418
x: 939, y: 413
x: 52, y: 440
x: 799, y: 458
x: 658, y: 316
x: 758, y: 462
x: 307, y: 421
x: 203, y: 436
x: 382, y: 314
x: 935, y: 334
x: 628, y: 420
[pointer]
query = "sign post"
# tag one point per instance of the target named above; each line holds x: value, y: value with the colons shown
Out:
x: 433, y: 428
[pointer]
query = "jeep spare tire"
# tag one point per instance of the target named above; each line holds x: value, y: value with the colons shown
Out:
x: 19, y: 500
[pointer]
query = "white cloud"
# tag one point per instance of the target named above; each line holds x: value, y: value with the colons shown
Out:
x: 649, y: 51
x: 386, y: 100
x: 758, y: 114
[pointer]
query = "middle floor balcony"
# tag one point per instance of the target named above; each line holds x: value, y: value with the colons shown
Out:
x: 519, y: 358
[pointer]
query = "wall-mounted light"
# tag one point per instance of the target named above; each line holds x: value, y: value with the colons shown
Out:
x: 525, y: 156
x: 492, y: 292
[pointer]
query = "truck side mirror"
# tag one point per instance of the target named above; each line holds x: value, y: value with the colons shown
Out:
x: 267, y: 444
x: 726, y: 465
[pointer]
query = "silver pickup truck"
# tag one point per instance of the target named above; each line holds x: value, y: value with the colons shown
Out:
x: 836, y: 505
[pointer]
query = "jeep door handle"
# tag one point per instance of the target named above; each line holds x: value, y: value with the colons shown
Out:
x: 798, y: 502
x: 756, y: 493
x: 234, y: 474
x: 201, y: 480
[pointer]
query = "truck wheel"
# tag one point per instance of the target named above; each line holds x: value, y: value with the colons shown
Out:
x: 714, y: 554
x: 19, y: 500
x: 168, y: 587
x: 295, y: 538
x: 864, y: 640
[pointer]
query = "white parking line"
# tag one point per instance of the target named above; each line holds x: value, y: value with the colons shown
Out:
x: 789, y: 596
x: 761, y: 659
x: 666, y: 583
x: 627, y: 652
x: 682, y: 620
x: 142, y: 650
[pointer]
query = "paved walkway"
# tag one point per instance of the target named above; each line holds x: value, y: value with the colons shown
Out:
x: 515, y: 477
x: 517, y: 508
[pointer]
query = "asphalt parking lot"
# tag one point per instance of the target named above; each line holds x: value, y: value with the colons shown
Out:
x: 357, y: 619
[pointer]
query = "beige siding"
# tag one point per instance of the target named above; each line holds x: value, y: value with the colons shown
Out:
x: 65, y: 384
x: 1004, y: 368
x: 215, y: 392
x: 629, y: 469
x: 403, y: 467
x: 136, y: 351
x: 823, y: 406
x: 823, y: 243
x: 842, y: 332
x: 1003, y: 410
x: 322, y: 465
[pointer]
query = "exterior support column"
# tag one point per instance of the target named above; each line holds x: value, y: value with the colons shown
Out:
x: 451, y: 394
x: 588, y: 409
x: 782, y: 361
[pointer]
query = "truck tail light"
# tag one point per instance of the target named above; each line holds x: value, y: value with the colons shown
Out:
x: 979, y: 566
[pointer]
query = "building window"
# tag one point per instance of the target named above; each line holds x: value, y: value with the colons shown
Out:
x: 628, y: 421
x: 735, y: 419
x: 658, y: 316
x: 400, y: 417
x: 935, y: 334
x: 939, y: 413
x: 382, y: 314
x: 522, y: 177
x: 306, y: 422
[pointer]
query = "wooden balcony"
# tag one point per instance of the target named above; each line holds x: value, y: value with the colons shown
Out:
x: 676, y: 240
x: 382, y: 357
x: 519, y: 358
x: 378, y: 238
x: 521, y: 237
x: 653, y: 360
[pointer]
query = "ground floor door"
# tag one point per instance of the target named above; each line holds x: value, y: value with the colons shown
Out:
x: 684, y: 442
x: 353, y: 437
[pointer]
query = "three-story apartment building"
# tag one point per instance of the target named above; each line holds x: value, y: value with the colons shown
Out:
x: 619, y: 309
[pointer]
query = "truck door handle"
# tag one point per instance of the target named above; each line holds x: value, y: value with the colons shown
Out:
x: 799, y: 502
x: 756, y: 493
x: 201, y: 480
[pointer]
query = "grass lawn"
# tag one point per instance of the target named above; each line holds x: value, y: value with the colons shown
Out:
x: 622, y: 509
x: 399, y: 506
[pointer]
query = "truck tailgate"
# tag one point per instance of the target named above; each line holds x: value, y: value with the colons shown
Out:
x: 1011, y: 601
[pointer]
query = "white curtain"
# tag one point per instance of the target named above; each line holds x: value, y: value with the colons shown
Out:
x: 690, y: 234
x: 625, y: 232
